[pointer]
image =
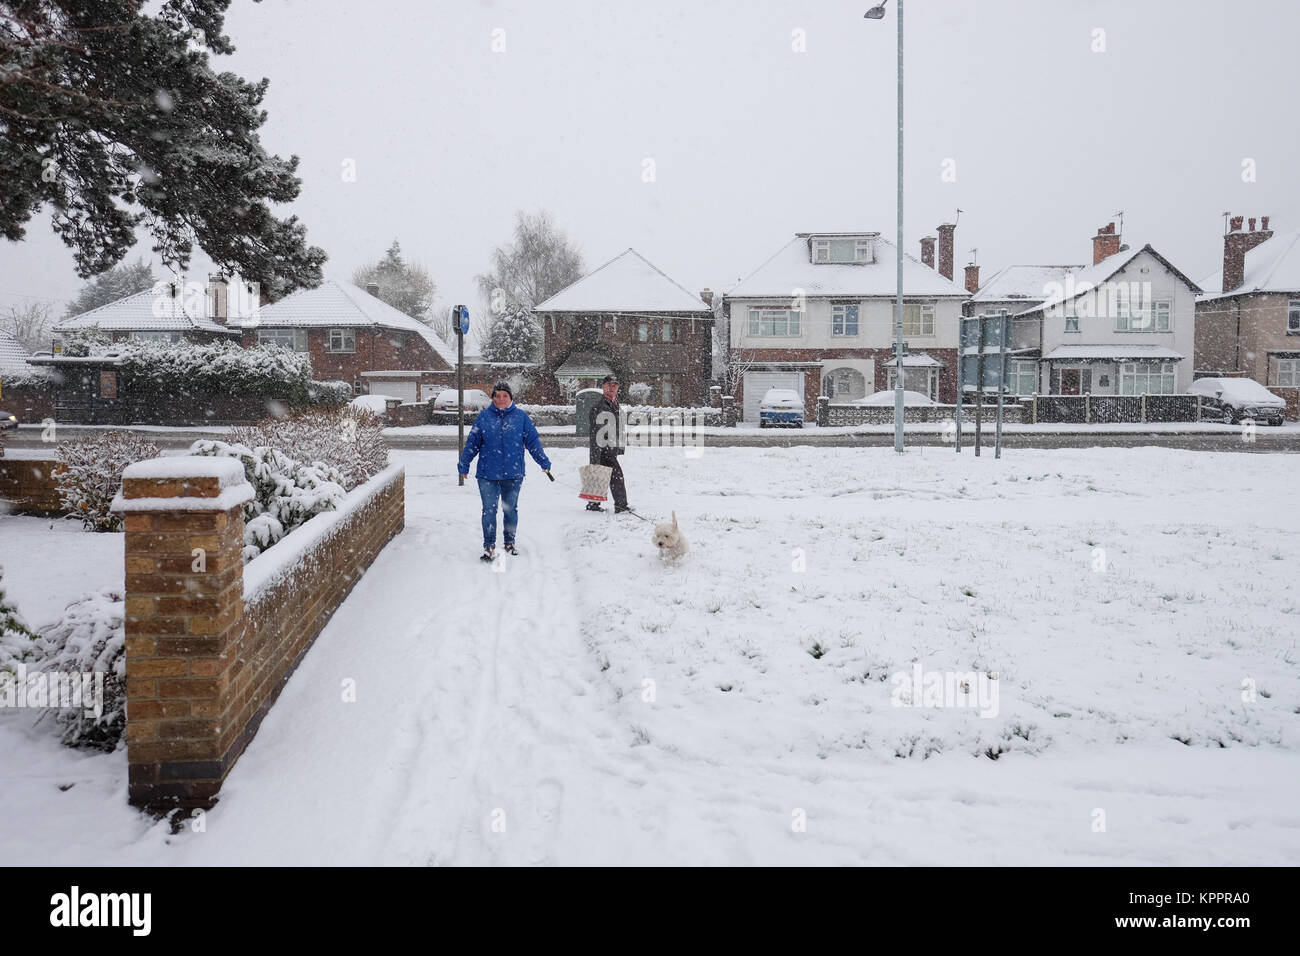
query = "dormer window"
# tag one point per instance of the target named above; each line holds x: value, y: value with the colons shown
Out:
x: 841, y: 249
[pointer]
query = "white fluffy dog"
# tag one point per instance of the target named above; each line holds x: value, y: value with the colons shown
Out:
x: 669, y: 539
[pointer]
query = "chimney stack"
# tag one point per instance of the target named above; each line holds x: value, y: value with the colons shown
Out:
x: 927, y: 251
x: 373, y: 288
x: 972, y: 278
x: 1105, y: 243
x: 706, y: 296
x: 945, y: 249
x: 218, y: 298
x: 1235, y: 246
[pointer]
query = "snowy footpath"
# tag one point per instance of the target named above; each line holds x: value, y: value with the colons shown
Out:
x: 1122, y: 624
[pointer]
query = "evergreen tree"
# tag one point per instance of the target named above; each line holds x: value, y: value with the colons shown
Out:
x: 111, y: 285
x: 114, y: 117
x: 405, y: 286
x: 512, y: 337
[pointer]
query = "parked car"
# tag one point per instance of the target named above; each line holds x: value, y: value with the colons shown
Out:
x: 1232, y: 399
x: 8, y: 420
x: 781, y: 406
x: 475, y: 400
x: 887, y: 398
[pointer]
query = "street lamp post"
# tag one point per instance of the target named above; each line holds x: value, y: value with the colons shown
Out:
x: 878, y: 13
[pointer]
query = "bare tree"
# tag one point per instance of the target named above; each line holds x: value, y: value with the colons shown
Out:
x: 406, y: 286
x: 30, y: 325
x: 730, y: 364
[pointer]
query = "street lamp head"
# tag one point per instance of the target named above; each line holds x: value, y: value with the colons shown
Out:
x: 875, y: 13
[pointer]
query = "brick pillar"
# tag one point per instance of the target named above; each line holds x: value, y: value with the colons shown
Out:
x: 184, y: 613
x: 715, y: 396
x: 728, y: 411
x: 823, y: 411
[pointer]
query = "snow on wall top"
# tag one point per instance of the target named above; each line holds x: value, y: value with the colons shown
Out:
x: 1023, y: 282
x: 627, y: 283
x: 228, y: 471
x: 13, y: 357
x: 342, y: 304
x: 1112, y: 352
x: 136, y: 313
x: 1272, y: 266
x: 791, y: 268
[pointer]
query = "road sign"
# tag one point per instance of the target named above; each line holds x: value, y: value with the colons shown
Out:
x: 462, y: 316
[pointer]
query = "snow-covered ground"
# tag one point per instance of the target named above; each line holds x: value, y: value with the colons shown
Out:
x: 587, y: 704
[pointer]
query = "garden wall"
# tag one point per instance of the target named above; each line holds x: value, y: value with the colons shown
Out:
x: 29, y: 485
x: 210, y: 641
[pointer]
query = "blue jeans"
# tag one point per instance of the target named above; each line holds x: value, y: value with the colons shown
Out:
x: 507, y: 492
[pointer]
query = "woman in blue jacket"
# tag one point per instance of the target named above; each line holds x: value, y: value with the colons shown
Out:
x: 499, y: 437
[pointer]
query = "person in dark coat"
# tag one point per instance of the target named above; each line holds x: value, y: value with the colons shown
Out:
x: 606, y: 442
x: 500, y: 434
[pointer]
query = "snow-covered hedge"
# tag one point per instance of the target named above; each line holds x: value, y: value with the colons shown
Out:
x: 78, y: 343
x: 287, y: 493
x: 92, y: 474
x: 350, y: 439
x: 329, y: 393
x: 15, y: 636
x: 90, y: 638
x: 184, y: 368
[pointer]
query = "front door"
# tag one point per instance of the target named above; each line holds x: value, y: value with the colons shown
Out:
x: 1070, y: 381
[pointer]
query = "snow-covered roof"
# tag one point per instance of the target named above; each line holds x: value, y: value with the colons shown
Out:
x: 1112, y: 352
x: 585, y: 365
x: 1022, y: 282
x: 1272, y: 266
x: 920, y: 360
x: 791, y: 268
x: 888, y: 398
x: 1087, y: 279
x: 627, y: 283
x: 13, y: 357
x: 342, y: 304
x: 145, y: 311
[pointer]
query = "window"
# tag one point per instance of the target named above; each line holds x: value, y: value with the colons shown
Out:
x: 153, y: 336
x: 295, y: 339
x: 918, y: 318
x: 848, y: 249
x: 1022, y: 377
x: 1072, y: 322
x: 670, y: 390
x: 1293, y: 317
x: 643, y: 332
x: 343, y: 340
x: 358, y: 387
x: 1131, y: 316
x: 1146, y: 378
x: 666, y: 331
x: 844, y: 320
x: 772, y: 322
x: 1288, y: 372
x: 923, y: 380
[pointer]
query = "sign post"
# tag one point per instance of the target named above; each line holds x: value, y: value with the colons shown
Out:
x: 979, y: 367
x: 1004, y: 322
x: 460, y: 318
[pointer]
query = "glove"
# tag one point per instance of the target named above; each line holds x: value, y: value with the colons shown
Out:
x: 548, y: 474
x: 464, y: 476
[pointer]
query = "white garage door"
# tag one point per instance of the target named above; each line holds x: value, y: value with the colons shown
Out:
x: 394, y: 389
x: 756, y: 383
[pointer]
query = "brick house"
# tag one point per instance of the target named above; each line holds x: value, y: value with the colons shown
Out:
x: 1248, y: 319
x: 353, y: 336
x: 161, y: 314
x: 629, y: 319
x: 818, y: 318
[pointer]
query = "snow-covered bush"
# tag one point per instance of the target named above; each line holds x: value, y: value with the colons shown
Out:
x: 350, y: 439
x: 181, y: 369
x: 16, y: 638
x: 329, y: 393
x: 89, y: 638
x: 639, y: 392
x: 78, y: 343
x: 287, y: 493
x: 92, y: 474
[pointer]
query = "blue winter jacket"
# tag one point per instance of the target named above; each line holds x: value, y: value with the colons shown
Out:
x: 499, y: 438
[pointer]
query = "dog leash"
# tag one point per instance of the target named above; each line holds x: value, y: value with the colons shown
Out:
x: 579, y: 491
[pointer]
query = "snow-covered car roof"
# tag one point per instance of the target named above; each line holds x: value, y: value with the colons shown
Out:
x: 472, y: 396
x: 1236, y: 390
x: 887, y: 398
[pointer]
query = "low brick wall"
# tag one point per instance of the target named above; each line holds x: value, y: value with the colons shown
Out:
x: 1292, y: 396
x: 29, y: 485
x: 210, y: 641
x: 834, y: 415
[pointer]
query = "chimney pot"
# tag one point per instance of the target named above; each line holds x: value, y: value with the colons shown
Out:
x: 972, y: 278
x: 1264, y: 223
x: 1251, y: 220
x: 946, y: 231
x: 373, y: 288
x: 1234, y: 224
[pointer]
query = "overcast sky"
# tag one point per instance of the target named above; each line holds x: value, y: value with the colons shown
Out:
x: 752, y: 140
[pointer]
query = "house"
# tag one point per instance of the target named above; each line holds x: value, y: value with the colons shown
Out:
x: 1248, y: 318
x: 627, y: 318
x: 1015, y: 289
x: 13, y: 357
x: 352, y: 335
x: 164, y: 313
x: 1123, y: 326
x: 818, y: 317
